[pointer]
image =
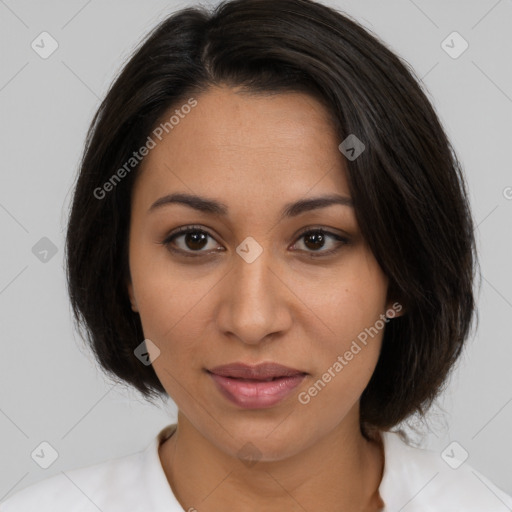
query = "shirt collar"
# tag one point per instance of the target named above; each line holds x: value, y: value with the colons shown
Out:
x: 159, y: 493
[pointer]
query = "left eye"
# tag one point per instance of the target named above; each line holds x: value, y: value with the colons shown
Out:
x: 315, y: 237
x: 194, y: 240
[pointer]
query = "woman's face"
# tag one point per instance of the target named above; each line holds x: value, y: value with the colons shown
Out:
x: 247, y: 286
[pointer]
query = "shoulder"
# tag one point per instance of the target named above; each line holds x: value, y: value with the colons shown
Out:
x: 102, y: 486
x: 135, y: 482
x: 417, y: 479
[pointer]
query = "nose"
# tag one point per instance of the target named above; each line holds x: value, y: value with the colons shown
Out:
x: 255, y: 302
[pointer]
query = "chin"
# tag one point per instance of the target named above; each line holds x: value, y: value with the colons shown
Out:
x: 266, y: 444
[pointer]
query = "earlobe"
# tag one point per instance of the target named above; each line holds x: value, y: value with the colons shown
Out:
x: 394, y: 309
x: 131, y: 296
x: 394, y: 306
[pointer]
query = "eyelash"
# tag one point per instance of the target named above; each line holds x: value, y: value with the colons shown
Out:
x: 195, y: 229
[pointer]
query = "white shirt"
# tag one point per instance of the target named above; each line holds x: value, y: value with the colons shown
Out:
x: 414, y: 480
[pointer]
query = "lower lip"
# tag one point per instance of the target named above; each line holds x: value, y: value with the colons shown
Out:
x: 254, y: 394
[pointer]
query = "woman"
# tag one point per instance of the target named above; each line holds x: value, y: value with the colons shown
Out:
x: 270, y: 227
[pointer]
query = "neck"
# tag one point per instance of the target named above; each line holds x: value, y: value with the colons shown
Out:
x: 342, y: 471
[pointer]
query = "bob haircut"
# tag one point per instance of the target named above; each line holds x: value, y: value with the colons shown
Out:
x: 407, y: 186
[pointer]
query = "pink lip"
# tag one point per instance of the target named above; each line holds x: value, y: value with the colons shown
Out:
x: 247, y: 387
x: 253, y: 394
x: 260, y: 371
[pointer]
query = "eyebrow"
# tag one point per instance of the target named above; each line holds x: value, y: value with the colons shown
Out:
x: 213, y: 207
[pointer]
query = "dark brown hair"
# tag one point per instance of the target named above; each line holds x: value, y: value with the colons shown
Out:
x: 407, y: 186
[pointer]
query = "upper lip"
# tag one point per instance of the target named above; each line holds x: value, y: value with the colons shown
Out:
x: 258, y: 372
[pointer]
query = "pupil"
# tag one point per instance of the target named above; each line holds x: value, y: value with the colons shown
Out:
x: 316, y: 238
x: 195, y: 240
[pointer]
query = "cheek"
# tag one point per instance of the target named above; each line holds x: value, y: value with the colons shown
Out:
x: 352, y: 332
x: 351, y: 310
x: 353, y: 319
x: 346, y: 368
x: 165, y: 295
x: 174, y: 311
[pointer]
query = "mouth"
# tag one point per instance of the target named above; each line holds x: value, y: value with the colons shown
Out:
x: 254, y: 380
x: 259, y: 372
x: 256, y: 387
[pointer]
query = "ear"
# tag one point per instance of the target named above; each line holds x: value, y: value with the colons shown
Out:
x: 394, y: 306
x: 394, y: 309
x: 132, y: 296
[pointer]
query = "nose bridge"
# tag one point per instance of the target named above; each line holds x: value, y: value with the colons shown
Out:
x: 254, y: 302
x: 252, y: 273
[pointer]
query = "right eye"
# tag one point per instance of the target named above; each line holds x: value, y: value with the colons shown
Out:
x: 193, y: 241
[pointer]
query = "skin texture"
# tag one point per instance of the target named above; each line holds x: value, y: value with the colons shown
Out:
x: 255, y: 153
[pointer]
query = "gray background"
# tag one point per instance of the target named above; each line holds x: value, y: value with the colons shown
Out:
x: 50, y: 388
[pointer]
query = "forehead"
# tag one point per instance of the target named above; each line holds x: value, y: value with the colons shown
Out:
x: 234, y: 142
